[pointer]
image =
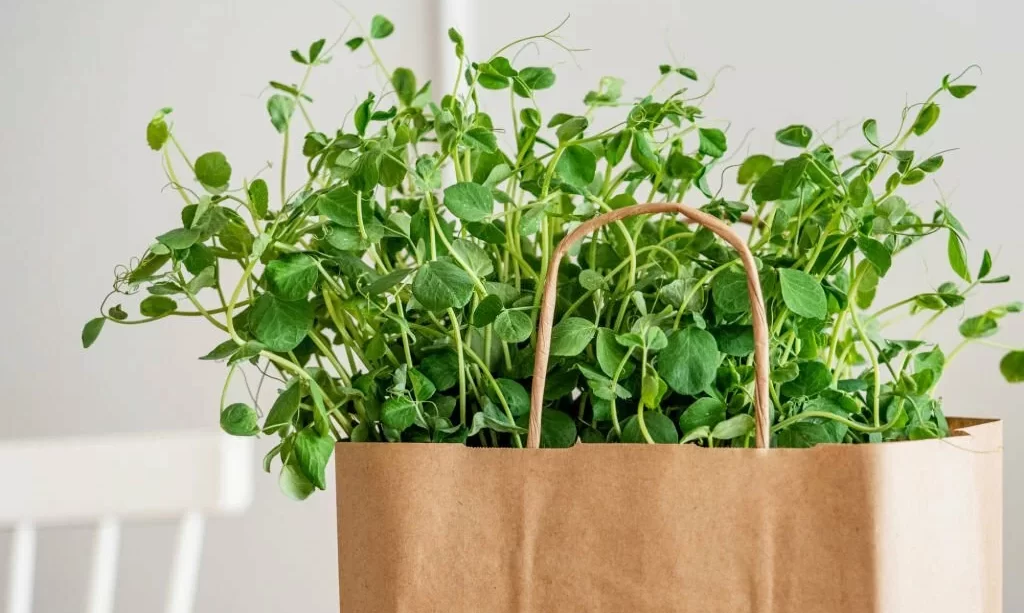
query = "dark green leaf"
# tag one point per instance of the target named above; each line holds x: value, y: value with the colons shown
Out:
x: 278, y: 324
x: 513, y: 326
x: 705, y: 412
x: 577, y: 166
x: 802, y: 434
x: 284, y: 408
x: 660, y: 427
x: 814, y: 377
x: 292, y: 276
x: 486, y: 312
x: 179, y: 239
x: 91, y: 331
x: 712, y: 142
x: 753, y: 168
x: 312, y: 452
x: 259, y: 196
x: 404, y: 82
x: 876, y: 253
x: 157, y: 306
x: 926, y: 118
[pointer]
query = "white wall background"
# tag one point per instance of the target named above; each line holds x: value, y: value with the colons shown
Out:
x: 81, y: 192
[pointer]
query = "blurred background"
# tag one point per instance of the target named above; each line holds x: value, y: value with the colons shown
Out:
x: 83, y: 193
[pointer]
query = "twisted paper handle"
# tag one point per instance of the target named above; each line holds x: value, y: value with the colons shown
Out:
x: 762, y: 412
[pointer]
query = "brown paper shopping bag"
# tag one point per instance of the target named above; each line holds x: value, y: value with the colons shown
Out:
x: 902, y: 527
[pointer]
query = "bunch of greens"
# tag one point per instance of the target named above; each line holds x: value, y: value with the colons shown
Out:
x: 389, y: 303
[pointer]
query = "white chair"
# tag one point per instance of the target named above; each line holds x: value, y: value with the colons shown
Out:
x: 107, y: 480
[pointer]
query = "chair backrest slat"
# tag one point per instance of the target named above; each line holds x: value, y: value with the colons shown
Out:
x: 106, y: 550
x: 181, y: 592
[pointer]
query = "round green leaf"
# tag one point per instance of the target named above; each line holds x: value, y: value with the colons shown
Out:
x: 442, y: 369
x: 292, y: 276
x: 558, y: 430
x: 729, y: 291
x: 1012, y: 366
x: 812, y: 378
x: 280, y: 108
x: 513, y: 326
x: 753, y: 168
x: 157, y: 133
x: 280, y: 325
x: 803, y: 294
x: 571, y: 336
x: 91, y: 331
x: 469, y: 201
x: 690, y: 361
x: 157, y: 306
x: 240, y: 419
x: 441, y: 285
x: 381, y: 27
x: 213, y: 170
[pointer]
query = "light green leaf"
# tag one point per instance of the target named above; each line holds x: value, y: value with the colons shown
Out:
x: 213, y: 170
x: 803, y: 294
x: 802, y: 435
x: 926, y: 118
x: 179, y: 239
x: 753, y: 168
x: 516, y: 396
x: 404, y: 82
x: 441, y: 285
x: 259, y: 196
x: 794, y: 136
x: 157, y: 306
x: 734, y: 427
x: 398, y: 413
x: 703, y: 413
x: 284, y: 408
x: 660, y: 427
x: 610, y: 353
x: 280, y: 107
x: 690, y: 361
x: 957, y: 256
x: 571, y: 336
x: 469, y: 201
x: 240, y: 419
x: 712, y: 142
x: 876, y: 253
x: 729, y: 291
x: 814, y: 377
x: 294, y: 484
x: 381, y: 27
x: 474, y: 257
x: 157, y: 133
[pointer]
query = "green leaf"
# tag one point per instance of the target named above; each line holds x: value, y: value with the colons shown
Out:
x: 486, y: 312
x: 473, y: 256
x: 558, y: 430
x: 355, y: 43
x: 404, y: 82
x: 240, y: 419
x: 284, y: 409
x: 388, y: 281
x: 961, y: 91
x: 179, y: 239
x: 531, y: 79
x: 280, y: 108
x: 986, y: 265
x: 222, y: 351
x: 704, y: 412
x: 802, y: 294
x: 734, y: 427
x: 957, y: 256
x: 610, y: 353
x: 571, y: 128
x: 213, y: 170
x: 712, y: 142
x: 441, y: 285
x: 660, y: 427
x: 398, y: 413
x: 516, y: 396
x: 591, y: 280
x: 312, y: 452
x: 423, y: 388
x: 643, y: 154
x: 513, y: 326
x: 802, y: 435
x: 571, y: 336
x: 157, y: 306
x: 931, y: 164
x: 870, y: 130
x: 381, y: 27
x: 1012, y: 366
x: 979, y: 326
x: 753, y: 168
x: 795, y: 135
x: 729, y: 291
x: 876, y: 253
x: 294, y: 484
x: 157, y: 133
x: 577, y: 166
x: 278, y: 324
x: 481, y: 139
x: 292, y: 276
x: 926, y: 118
x: 690, y: 361
x: 442, y: 368
x: 259, y: 196
x: 469, y: 201
x: 814, y: 377
x: 91, y: 331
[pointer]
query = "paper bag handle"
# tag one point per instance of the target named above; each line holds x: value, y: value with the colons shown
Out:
x: 762, y: 413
